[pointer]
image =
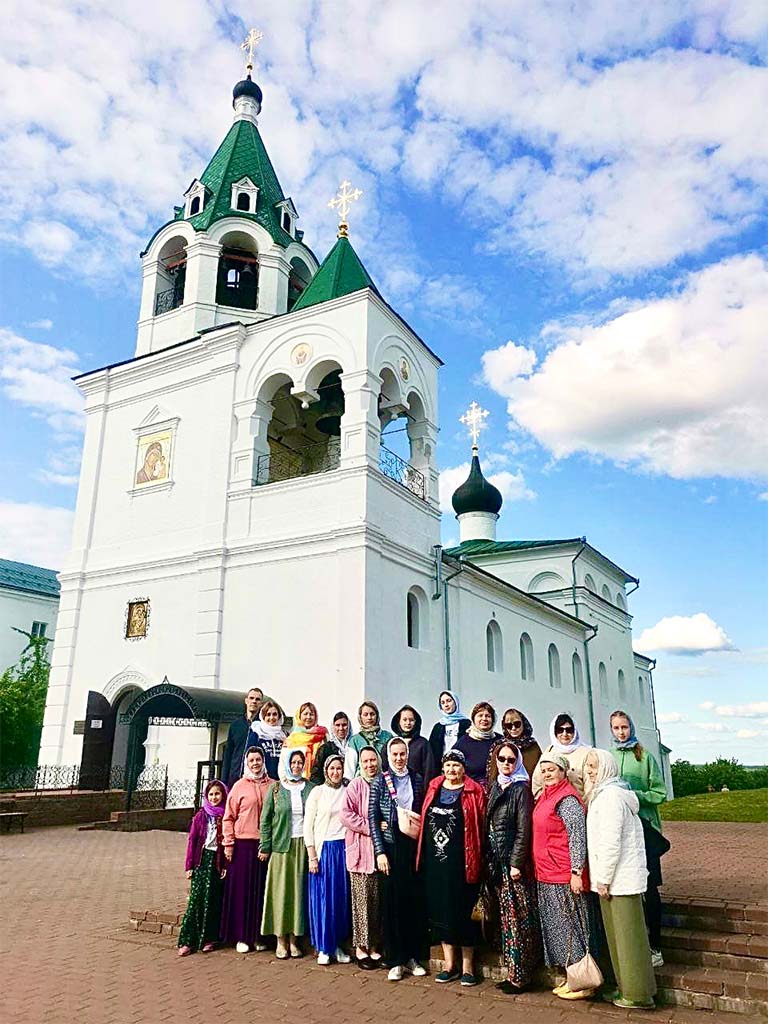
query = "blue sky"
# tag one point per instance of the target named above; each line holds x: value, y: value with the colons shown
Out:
x: 568, y: 203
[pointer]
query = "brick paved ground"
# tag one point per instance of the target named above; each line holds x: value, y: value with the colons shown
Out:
x: 67, y: 954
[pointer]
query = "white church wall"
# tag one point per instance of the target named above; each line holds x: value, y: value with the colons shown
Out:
x: 19, y: 610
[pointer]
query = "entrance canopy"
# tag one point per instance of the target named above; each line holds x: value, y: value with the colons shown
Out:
x: 166, y: 700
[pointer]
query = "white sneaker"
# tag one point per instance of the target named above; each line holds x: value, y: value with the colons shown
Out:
x: 342, y: 957
x: 260, y: 947
x: 657, y: 960
x: 323, y: 959
x: 396, y: 973
x: 415, y: 968
x: 243, y: 947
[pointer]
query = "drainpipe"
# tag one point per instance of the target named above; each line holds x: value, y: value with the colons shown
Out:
x: 653, y: 699
x: 441, y: 589
x: 590, y: 700
x: 578, y: 554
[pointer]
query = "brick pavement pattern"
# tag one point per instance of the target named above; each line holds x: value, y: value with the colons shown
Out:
x: 68, y: 954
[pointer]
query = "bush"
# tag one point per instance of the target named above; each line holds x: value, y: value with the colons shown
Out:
x: 23, y: 689
x: 689, y: 779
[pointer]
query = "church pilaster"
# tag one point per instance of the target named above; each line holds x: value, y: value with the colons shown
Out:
x: 274, y: 271
x: 360, y: 424
x: 251, y: 441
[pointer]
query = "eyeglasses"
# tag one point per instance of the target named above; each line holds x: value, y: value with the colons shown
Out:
x: 565, y: 728
x: 513, y: 725
x: 506, y: 760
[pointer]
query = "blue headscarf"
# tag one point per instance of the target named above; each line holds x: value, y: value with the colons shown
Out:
x: 453, y: 716
x: 520, y: 774
x: 627, y: 744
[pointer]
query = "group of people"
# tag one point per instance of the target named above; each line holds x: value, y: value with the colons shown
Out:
x: 395, y: 841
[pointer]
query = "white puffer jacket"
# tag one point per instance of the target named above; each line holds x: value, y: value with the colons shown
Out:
x: 615, y: 842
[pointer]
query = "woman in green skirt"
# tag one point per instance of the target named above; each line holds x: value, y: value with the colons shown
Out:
x: 618, y: 873
x: 205, y: 867
x: 282, y: 843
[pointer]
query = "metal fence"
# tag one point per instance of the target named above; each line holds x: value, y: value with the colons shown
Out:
x: 402, y: 472
x: 286, y: 464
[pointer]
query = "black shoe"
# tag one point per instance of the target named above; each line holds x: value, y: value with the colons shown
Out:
x: 365, y: 963
x: 506, y: 987
x: 469, y: 980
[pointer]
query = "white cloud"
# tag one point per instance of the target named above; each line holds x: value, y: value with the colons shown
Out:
x: 756, y: 709
x: 671, y: 717
x: 763, y: 496
x: 707, y: 705
x: 512, y: 485
x: 40, y: 325
x: 711, y: 727
x: 686, y: 635
x: 675, y: 385
x: 749, y: 734
x: 38, y: 534
x: 710, y: 499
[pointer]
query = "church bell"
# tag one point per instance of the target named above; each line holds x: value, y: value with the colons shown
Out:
x: 330, y: 408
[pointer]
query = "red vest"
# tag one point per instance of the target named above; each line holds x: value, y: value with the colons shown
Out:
x: 473, y: 807
x: 551, y: 859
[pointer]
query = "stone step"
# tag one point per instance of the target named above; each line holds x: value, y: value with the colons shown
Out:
x: 716, y: 949
x: 698, y: 914
x: 714, y: 988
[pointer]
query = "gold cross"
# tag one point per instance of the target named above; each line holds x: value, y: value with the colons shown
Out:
x: 474, y: 420
x: 343, y: 202
x: 252, y: 40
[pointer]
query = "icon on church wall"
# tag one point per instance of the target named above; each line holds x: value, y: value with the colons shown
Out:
x: 153, y: 459
x: 405, y: 370
x: 137, y: 619
x: 301, y: 354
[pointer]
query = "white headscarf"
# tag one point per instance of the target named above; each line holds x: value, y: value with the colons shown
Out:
x: 564, y: 748
x: 607, y: 774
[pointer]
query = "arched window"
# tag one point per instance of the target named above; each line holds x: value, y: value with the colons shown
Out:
x: 244, y: 201
x: 622, y: 686
x: 413, y: 620
x: 194, y: 206
x: 578, y: 674
x: 605, y: 593
x: 526, y: 658
x: 621, y: 601
x: 553, y: 660
x: 493, y: 647
x: 602, y: 682
x: 238, y: 277
x: 417, y: 625
x: 298, y: 279
x: 641, y: 689
x: 589, y: 583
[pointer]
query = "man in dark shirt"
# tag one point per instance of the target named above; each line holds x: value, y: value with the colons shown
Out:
x: 234, y: 750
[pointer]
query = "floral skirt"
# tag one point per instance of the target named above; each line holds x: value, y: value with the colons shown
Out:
x: 203, y: 917
x: 520, y: 941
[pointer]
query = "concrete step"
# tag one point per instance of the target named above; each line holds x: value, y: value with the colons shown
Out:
x: 714, y: 988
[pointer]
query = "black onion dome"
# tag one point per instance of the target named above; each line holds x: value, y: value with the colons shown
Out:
x: 247, y: 87
x: 476, y: 494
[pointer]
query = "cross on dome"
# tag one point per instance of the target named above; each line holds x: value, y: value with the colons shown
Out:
x: 252, y: 40
x: 343, y: 202
x: 474, y: 420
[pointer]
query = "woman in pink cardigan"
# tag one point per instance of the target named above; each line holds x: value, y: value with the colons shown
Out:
x: 246, y: 867
x: 364, y: 879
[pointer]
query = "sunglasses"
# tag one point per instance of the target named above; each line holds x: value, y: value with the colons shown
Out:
x: 513, y: 725
x: 565, y: 728
x: 506, y: 760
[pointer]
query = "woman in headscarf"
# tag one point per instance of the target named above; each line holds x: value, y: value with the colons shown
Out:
x: 204, y: 865
x: 618, y: 874
x: 330, y: 914
x: 337, y: 743
x: 562, y: 876
x: 564, y: 740
x: 246, y: 870
x: 406, y: 723
x: 393, y: 816
x: 282, y: 841
x: 518, y: 730
x: 364, y: 879
x: 370, y: 734
x: 449, y: 727
x: 641, y: 771
x: 267, y: 732
x: 450, y: 853
x: 478, y: 740
x: 509, y: 866
x: 306, y: 735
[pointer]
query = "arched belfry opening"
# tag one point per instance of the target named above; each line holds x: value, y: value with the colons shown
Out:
x: 298, y: 279
x: 404, y: 454
x: 303, y: 441
x: 171, y: 276
x: 237, y: 281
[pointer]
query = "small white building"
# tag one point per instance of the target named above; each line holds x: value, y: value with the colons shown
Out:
x: 29, y: 601
x: 240, y: 522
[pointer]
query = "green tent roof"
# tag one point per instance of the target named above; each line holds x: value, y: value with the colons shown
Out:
x: 340, y: 273
x: 493, y: 547
x: 241, y: 154
x: 31, y: 578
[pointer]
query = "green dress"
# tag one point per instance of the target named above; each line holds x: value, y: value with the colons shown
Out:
x: 202, y: 920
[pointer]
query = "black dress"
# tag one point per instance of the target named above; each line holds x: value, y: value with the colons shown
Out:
x: 450, y: 898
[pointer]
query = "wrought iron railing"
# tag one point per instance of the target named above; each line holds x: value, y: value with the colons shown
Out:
x: 170, y: 299
x: 286, y: 464
x: 402, y: 472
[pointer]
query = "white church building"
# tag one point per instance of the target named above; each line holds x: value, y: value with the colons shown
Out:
x: 239, y: 521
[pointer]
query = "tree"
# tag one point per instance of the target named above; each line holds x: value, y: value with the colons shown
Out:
x: 23, y: 689
x: 726, y: 772
x: 687, y: 779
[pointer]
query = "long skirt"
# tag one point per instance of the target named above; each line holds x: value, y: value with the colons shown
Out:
x: 243, y: 894
x: 404, y: 911
x: 566, y: 927
x: 202, y: 921
x: 285, y: 894
x: 366, y: 909
x: 329, y: 903
x: 520, y: 944
x: 628, y: 947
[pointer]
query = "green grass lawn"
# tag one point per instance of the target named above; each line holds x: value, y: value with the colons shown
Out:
x: 738, y: 805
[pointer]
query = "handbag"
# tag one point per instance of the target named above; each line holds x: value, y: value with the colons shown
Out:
x: 409, y: 822
x: 585, y: 973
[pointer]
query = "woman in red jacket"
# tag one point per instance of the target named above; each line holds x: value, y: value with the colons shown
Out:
x: 450, y: 852
x: 559, y: 861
